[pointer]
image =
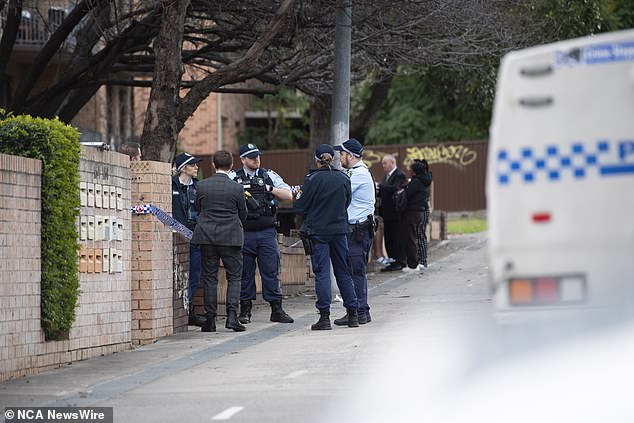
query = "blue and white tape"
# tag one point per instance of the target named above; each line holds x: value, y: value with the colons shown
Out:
x: 168, y: 220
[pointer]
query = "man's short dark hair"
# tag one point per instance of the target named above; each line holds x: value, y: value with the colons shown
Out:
x: 223, y: 160
x: 132, y: 149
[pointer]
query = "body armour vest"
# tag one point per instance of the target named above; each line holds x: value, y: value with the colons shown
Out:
x: 261, y: 216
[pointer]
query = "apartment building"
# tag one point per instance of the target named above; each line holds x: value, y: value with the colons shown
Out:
x: 115, y: 114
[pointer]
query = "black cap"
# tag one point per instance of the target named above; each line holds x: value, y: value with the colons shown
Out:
x: 185, y: 159
x: 322, y: 149
x: 351, y: 146
x: 249, y: 150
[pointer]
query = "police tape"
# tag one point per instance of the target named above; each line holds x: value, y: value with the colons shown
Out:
x: 167, y: 220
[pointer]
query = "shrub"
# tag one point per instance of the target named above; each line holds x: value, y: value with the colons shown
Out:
x: 57, y: 146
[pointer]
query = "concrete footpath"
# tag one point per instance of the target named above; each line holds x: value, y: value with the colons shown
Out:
x: 95, y: 380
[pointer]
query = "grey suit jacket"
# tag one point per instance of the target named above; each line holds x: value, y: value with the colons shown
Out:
x: 222, y: 209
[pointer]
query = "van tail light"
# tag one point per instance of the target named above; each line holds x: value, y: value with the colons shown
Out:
x: 551, y: 290
x: 541, y: 217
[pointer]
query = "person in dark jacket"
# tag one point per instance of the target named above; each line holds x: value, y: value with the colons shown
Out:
x: 184, y: 185
x: 394, y: 180
x: 323, y: 200
x: 220, y: 234
x: 416, y: 215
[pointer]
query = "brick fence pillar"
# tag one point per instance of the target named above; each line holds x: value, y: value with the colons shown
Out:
x: 152, y: 254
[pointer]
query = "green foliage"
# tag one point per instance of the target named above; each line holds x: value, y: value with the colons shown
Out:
x: 282, y: 129
x: 57, y: 146
x: 430, y: 106
x: 565, y: 19
x: 433, y: 104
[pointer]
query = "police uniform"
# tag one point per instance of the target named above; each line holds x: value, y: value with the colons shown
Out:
x: 323, y: 200
x: 260, y: 238
x: 361, y: 221
x: 184, y: 211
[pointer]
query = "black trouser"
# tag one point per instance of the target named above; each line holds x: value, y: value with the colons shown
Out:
x: 393, y: 243
x: 232, y: 261
x: 413, y: 227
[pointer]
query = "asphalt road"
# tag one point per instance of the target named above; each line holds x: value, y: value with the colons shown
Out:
x: 423, y: 330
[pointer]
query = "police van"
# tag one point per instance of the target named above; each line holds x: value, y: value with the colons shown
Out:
x: 560, y: 178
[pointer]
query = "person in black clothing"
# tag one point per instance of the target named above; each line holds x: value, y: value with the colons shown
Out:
x: 394, y: 180
x: 415, y: 217
x: 323, y: 200
x: 184, y: 185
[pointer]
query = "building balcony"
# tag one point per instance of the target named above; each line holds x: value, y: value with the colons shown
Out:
x: 39, y: 21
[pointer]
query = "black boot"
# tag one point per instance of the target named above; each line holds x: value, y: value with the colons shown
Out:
x: 342, y: 321
x: 245, y: 311
x: 324, y: 321
x: 363, y: 316
x: 194, y: 319
x: 209, y: 325
x: 233, y: 323
x: 278, y: 314
x: 353, y: 318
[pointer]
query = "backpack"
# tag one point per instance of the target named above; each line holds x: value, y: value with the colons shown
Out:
x: 400, y: 201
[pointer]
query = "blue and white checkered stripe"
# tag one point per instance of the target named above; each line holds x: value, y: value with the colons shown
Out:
x: 554, y: 163
x: 167, y: 220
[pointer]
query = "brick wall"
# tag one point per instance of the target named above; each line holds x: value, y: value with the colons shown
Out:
x: 180, y: 282
x: 200, y: 134
x: 103, y: 313
x: 200, y: 131
x: 152, y: 254
x: 102, y: 325
x: 20, y: 271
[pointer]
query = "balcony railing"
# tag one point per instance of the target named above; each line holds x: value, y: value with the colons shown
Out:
x: 39, y: 22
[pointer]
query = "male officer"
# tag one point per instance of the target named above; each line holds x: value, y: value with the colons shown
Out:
x: 361, y: 221
x: 184, y: 185
x: 260, y: 235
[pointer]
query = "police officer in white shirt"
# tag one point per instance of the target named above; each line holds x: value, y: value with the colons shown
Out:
x: 361, y: 221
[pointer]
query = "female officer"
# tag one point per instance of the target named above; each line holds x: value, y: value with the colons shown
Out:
x: 323, y: 200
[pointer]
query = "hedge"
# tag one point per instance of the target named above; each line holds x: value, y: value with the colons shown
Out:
x: 57, y: 146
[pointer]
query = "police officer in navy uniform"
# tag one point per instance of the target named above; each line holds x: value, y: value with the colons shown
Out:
x: 361, y: 221
x: 184, y: 185
x: 263, y: 188
x: 323, y: 200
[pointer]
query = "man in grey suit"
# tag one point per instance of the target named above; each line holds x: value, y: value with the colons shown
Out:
x: 222, y: 210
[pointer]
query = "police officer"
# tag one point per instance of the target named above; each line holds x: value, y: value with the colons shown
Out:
x: 184, y: 185
x: 361, y: 221
x: 263, y: 188
x: 323, y: 200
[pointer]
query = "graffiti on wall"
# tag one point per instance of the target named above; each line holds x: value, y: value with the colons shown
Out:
x: 457, y: 155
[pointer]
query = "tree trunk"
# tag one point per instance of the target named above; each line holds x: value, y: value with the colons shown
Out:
x: 320, y: 121
x: 10, y: 32
x: 167, y: 112
x: 50, y: 49
x: 161, y: 127
x: 362, y: 123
